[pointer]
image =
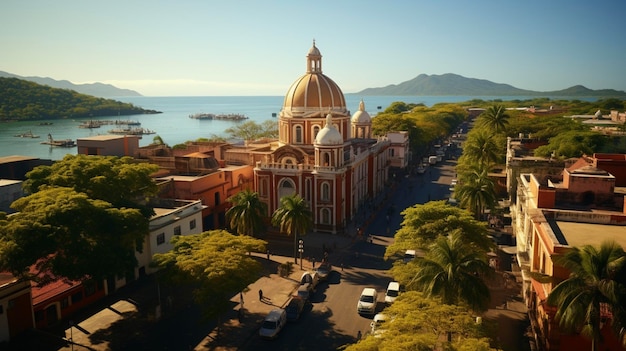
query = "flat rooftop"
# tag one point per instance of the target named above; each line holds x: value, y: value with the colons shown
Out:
x: 580, y: 234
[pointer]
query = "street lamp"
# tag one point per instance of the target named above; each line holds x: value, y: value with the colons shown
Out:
x: 72, y: 334
x: 301, y: 250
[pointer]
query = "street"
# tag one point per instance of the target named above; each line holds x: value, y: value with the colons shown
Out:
x: 331, y: 320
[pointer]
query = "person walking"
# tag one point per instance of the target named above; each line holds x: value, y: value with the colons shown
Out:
x: 260, y: 295
x: 241, y: 298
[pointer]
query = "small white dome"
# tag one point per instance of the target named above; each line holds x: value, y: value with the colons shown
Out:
x: 361, y: 116
x: 329, y: 135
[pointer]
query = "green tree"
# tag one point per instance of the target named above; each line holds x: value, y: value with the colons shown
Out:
x: 573, y: 143
x: 61, y: 233
x: 293, y: 217
x: 494, y: 118
x: 422, y: 224
x: 481, y: 148
x: 594, y: 284
x: 476, y: 191
x: 249, y: 131
x: 419, y: 323
x: 453, y: 271
x: 246, y: 216
x: 215, y: 262
x: 119, y: 181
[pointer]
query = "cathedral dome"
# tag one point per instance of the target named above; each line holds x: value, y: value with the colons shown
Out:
x: 314, y: 94
x: 329, y: 135
x: 361, y: 116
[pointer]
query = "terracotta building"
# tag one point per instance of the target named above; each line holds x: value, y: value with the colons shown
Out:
x: 551, y: 215
x: 323, y: 153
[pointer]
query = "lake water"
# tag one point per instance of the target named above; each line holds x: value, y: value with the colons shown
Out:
x: 174, y: 125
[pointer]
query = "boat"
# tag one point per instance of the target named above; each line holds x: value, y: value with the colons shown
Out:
x: 60, y: 143
x: 45, y: 123
x: 89, y: 125
x: 131, y: 131
x: 225, y: 116
x: 28, y: 134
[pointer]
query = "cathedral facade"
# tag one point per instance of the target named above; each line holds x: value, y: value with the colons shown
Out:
x: 323, y: 153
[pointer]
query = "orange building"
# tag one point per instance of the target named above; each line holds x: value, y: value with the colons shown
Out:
x: 550, y: 216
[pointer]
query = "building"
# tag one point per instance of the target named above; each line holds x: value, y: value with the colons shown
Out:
x: 16, y: 308
x: 10, y: 190
x: 399, y: 153
x: 323, y: 153
x: 108, y: 145
x: 551, y: 215
x: 15, y: 167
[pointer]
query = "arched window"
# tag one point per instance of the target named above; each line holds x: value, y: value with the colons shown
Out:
x: 217, y: 199
x: 263, y: 188
x: 298, y: 134
x: 325, y: 191
x: 325, y: 216
x: 316, y: 129
x: 286, y: 187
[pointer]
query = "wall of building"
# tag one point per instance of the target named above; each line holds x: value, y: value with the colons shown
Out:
x: 16, y: 309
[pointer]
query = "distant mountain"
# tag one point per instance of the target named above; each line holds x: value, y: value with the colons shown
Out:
x: 454, y: 84
x: 94, y: 89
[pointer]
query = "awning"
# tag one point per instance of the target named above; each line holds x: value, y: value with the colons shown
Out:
x: 511, y: 250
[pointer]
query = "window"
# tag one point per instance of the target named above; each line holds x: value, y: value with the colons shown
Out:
x: 316, y: 129
x: 65, y: 303
x: 177, y: 230
x: 77, y: 297
x: 160, y: 238
x: 326, y: 216
x: 192, y: 224
x: 298, y: 135
x: 325, y: 191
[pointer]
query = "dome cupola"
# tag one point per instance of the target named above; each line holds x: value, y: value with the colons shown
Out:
x: 329, y: 135
x: 314, y: 94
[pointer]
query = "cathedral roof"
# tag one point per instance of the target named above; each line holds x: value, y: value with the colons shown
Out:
x: 314, y: 94
x: 329, y: 135
x: 361, y: 116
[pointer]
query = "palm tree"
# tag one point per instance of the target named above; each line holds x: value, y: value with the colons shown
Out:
x: 481, y: 148
x: 246, y: 215
x: 593, y: 285
x: 494, y: 118
x: 293, y: 217
x: 453, y: 271
x: 476, y: 191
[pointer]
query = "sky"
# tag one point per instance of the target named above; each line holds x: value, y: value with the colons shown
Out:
x: 259, y: 47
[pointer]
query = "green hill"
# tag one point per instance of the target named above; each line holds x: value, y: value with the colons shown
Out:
x: 95, y: 89
x: 454, y: 84
x: 24, y: 100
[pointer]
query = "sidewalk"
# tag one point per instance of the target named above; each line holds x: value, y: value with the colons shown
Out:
x: 235, y: 332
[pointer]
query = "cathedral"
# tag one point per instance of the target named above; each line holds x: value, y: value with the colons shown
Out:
x: 323, y: 153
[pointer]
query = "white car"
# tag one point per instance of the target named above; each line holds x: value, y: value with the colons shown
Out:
x: 367, y: 301
x: 273, y: 323
x: 393, y: 290
x: 377, y: 322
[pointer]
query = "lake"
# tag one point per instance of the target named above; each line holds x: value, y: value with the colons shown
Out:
x: 174, y: 125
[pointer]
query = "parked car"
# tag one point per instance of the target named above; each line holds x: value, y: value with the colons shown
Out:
x: 273, y: 323
x: 367, y: 301
x: 377, y: 323
x: 393, y: 290
x: 409, y: 255
x: 294, y: 308
x: 324, y: 270
x: 304, y: 291
x: 310, y: 277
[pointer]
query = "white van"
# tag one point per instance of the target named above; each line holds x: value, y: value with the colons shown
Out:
x: 367, y: 301
x: 273, y: 323
x: 393, y: 290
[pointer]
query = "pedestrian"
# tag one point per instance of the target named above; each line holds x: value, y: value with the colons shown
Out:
x: 260, y: 295
x: 313, y: 262
x: 268, y: 254
x: 358, y: 335
x: 342, y: 266
x: 241, y: 298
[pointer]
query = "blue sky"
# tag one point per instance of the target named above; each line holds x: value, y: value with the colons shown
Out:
x: 253, y: 47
